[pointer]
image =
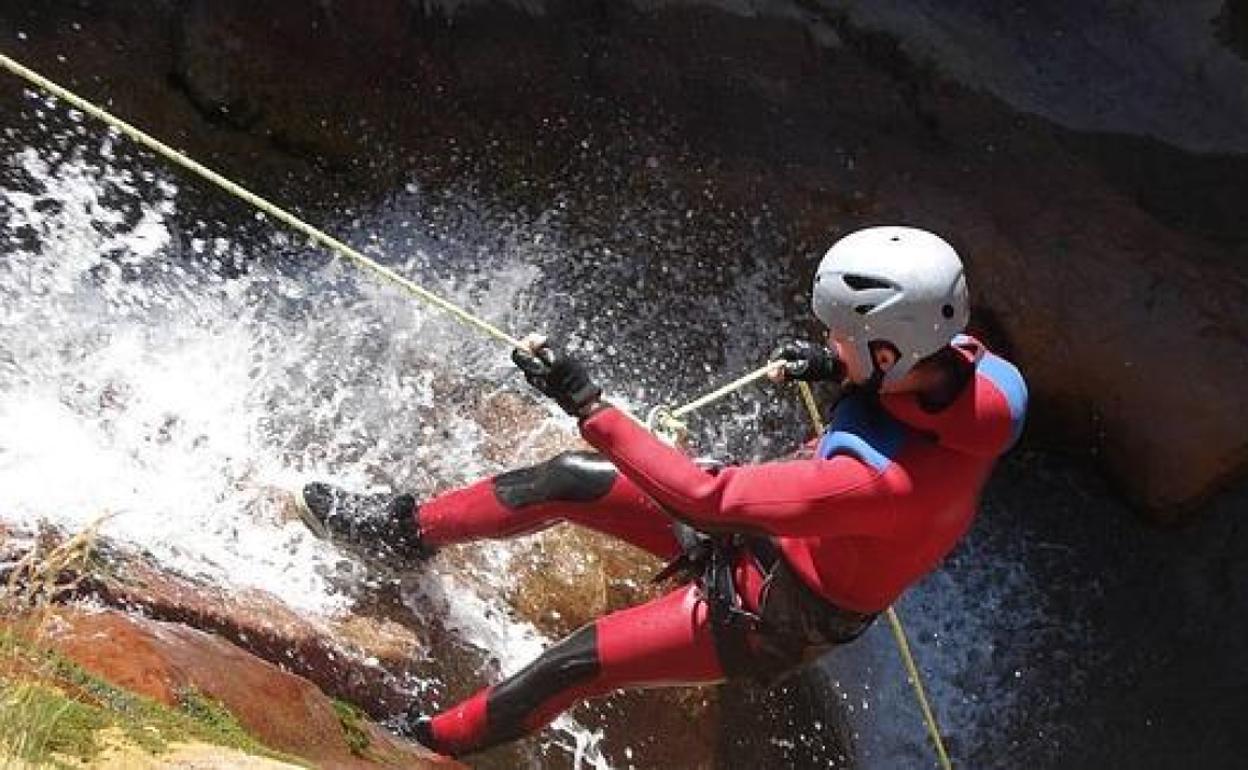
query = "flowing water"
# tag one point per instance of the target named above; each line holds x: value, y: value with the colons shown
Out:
x: 147, y: 378
x: 171, y: 372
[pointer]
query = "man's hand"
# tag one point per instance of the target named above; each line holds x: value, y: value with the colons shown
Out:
x: 557, y: 375
x: 802, y: 360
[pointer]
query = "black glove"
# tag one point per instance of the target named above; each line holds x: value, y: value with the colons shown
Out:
x: 808, y: 362
x: 558, y: 376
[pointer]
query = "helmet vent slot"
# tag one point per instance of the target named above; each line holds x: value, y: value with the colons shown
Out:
x: 864, y: 309
x: 861, y: 282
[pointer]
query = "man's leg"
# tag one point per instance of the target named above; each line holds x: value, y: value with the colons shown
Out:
x: 667, y: 641
x: 580, y: 487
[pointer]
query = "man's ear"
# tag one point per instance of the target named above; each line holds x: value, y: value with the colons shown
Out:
x: 884, y: 355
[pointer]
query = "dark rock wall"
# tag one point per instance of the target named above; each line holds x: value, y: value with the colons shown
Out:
x: 1232, y: 26
x: 1108, y: 265
x: 1165, y: 70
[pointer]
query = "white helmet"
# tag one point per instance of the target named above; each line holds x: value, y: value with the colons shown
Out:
x: 899, y: 285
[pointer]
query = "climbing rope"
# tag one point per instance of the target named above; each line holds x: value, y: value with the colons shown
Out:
x: 662, y: 418
x: 719, y: 393
x: 912, y: 673
x: 238, y: 191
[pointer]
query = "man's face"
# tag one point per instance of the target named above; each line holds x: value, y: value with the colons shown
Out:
x: 857, y: 370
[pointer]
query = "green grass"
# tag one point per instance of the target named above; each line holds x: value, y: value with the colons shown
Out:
x: 352, y: 721
x: 40, y: 725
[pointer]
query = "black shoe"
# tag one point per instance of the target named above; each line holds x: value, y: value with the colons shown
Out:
x: 378, y: 527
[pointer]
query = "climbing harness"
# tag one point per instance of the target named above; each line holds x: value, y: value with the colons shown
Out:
x: 791, y: 624
x: 664, y: 420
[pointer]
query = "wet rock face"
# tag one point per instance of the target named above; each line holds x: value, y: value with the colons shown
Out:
x: 1110, y: 267
x: 172, y: 632
x: 1232, y: 26
x: 327, y: 652
x: 1143, y: 68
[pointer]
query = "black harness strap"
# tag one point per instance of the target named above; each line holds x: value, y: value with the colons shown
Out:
x: 792, y: 623
x: 731, y: 622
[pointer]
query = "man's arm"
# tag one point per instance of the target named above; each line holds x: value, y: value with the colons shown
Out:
x: 840, y: 496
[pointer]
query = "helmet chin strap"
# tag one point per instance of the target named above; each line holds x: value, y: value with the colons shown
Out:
x: 876, y: 380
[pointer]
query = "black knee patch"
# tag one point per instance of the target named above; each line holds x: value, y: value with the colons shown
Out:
x: 568, y: 663
x: 570, y: 476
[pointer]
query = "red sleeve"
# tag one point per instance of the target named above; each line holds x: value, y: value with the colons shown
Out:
x: 800, y: 498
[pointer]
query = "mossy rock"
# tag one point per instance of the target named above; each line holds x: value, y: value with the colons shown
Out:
x: 54, y: 713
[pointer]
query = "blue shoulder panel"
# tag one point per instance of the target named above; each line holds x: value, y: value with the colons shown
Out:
x: 1009, y: 381
x: 862, y: 429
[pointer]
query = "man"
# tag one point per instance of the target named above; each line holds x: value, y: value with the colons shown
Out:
x: 782, y: 559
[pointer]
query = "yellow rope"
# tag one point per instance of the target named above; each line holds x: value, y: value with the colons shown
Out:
x: 812, y: 406
x: 278, y: 213
x: 719, y: 393
x: 272, y: 209
x: 666, y: 418
x: 912, y: 671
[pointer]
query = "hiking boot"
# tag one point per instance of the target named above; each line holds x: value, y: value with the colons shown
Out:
x: 420, y: 729
x: 378, y: 527
x: 415, y: 726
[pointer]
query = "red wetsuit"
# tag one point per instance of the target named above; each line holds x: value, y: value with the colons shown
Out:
x: 889, y: 492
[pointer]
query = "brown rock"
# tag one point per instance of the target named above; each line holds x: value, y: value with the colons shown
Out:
x: 328, y: 652
x: 564, y: 578
x: 519, y: 432
x: 568, y: 576
x: 164, y: 660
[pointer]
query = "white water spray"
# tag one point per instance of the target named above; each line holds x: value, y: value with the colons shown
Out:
x: 138, y: 382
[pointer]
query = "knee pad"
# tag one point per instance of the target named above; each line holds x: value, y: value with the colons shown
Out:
x: 571, y: 662
x: 569, y: 477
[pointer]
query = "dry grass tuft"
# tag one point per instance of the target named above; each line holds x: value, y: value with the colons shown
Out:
x: 52, y: 568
